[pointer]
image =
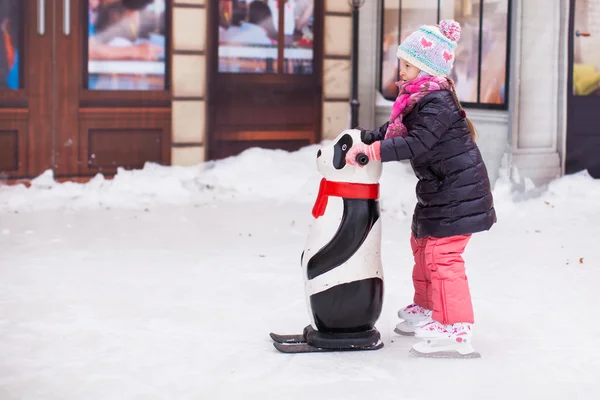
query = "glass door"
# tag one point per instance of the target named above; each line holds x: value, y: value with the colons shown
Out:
x: 583, y: 130
x: 265, y: 81
x: 113, y: 101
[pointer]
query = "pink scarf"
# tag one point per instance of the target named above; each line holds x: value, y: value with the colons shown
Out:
x: 410, y: 94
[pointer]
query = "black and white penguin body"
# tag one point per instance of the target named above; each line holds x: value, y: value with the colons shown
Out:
x: 342, y: 258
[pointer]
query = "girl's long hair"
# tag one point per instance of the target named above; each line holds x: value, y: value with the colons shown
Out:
x: 471, y: 127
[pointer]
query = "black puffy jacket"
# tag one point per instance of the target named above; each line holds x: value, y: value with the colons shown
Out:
x: 454, y: 192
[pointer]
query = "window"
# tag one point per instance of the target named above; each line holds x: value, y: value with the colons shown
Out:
x: 480, y: 71
x: 255, y: 39
x: 126, y: 45
x: 11, y: 34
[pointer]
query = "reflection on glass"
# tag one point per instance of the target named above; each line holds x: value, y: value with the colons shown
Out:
x: 298, y: 35
x: 466, y: 66
x: 493, y: 52
x: 389, y: 43
x: 126, y: 45
x: 586, y: 55
x: 248, y: 32
x: 413, y: 15
x: 10, y: 12
x: 466, y: 62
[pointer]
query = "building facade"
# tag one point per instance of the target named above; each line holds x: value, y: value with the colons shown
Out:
x: 91, y: 86
x: 544, y: 124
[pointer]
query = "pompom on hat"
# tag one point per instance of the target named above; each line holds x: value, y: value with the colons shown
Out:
x: 431, y: 48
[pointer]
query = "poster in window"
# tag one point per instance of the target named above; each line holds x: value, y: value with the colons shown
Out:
x: 248, y: 32
x: 389, y: 44
x: 490, y: 87
x: 298, y: 34
x: 249, y: 36
x: 465, y: 72
x: 493, y: 52
x: 492, y: 83
x: 126, y: 45
x: 586, y: 49
x: 400, y: 24
x: 10, y: 46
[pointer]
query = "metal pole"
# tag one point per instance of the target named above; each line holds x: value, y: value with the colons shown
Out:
x: 354, y: 104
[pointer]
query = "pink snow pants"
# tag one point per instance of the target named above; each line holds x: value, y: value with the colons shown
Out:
x: 439, y: 278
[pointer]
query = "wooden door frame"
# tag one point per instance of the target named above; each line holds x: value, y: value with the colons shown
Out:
x: 278, y: 79
x: 82, y: 112
x: 121, y: 98
x: 25, y: 111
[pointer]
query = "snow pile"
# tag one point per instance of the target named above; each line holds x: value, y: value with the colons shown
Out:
x: 256, y: 174
x: 578, y: 189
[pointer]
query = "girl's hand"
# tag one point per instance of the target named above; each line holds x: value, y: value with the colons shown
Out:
x: 370, y: 150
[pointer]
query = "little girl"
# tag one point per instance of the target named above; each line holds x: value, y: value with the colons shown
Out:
x: 429, y: 127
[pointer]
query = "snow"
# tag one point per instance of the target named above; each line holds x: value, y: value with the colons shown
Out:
x: 165, y: 283
x: 274, y: 175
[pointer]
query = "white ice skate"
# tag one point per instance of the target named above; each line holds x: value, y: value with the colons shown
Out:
x: 413, y: 316
x: 444, y: 341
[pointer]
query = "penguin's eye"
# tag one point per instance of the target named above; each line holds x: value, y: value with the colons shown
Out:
x: 344, y: 147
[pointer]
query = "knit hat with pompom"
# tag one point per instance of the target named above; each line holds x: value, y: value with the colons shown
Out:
x: 431, y: 48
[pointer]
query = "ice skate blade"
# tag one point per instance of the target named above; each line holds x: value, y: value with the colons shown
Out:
x: 299, y: 348
x: 403, y: 333
x: 445, y: 354
x: 436, y: 349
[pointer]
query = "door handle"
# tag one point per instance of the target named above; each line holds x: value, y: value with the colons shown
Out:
x: 67, y: 17
x: 584, y: 34
x: 41, y: 17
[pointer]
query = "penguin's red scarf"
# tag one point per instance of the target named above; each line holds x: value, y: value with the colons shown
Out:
x: 345, y: 190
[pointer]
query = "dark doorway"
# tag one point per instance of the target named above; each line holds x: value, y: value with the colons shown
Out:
x: 583, y: 128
